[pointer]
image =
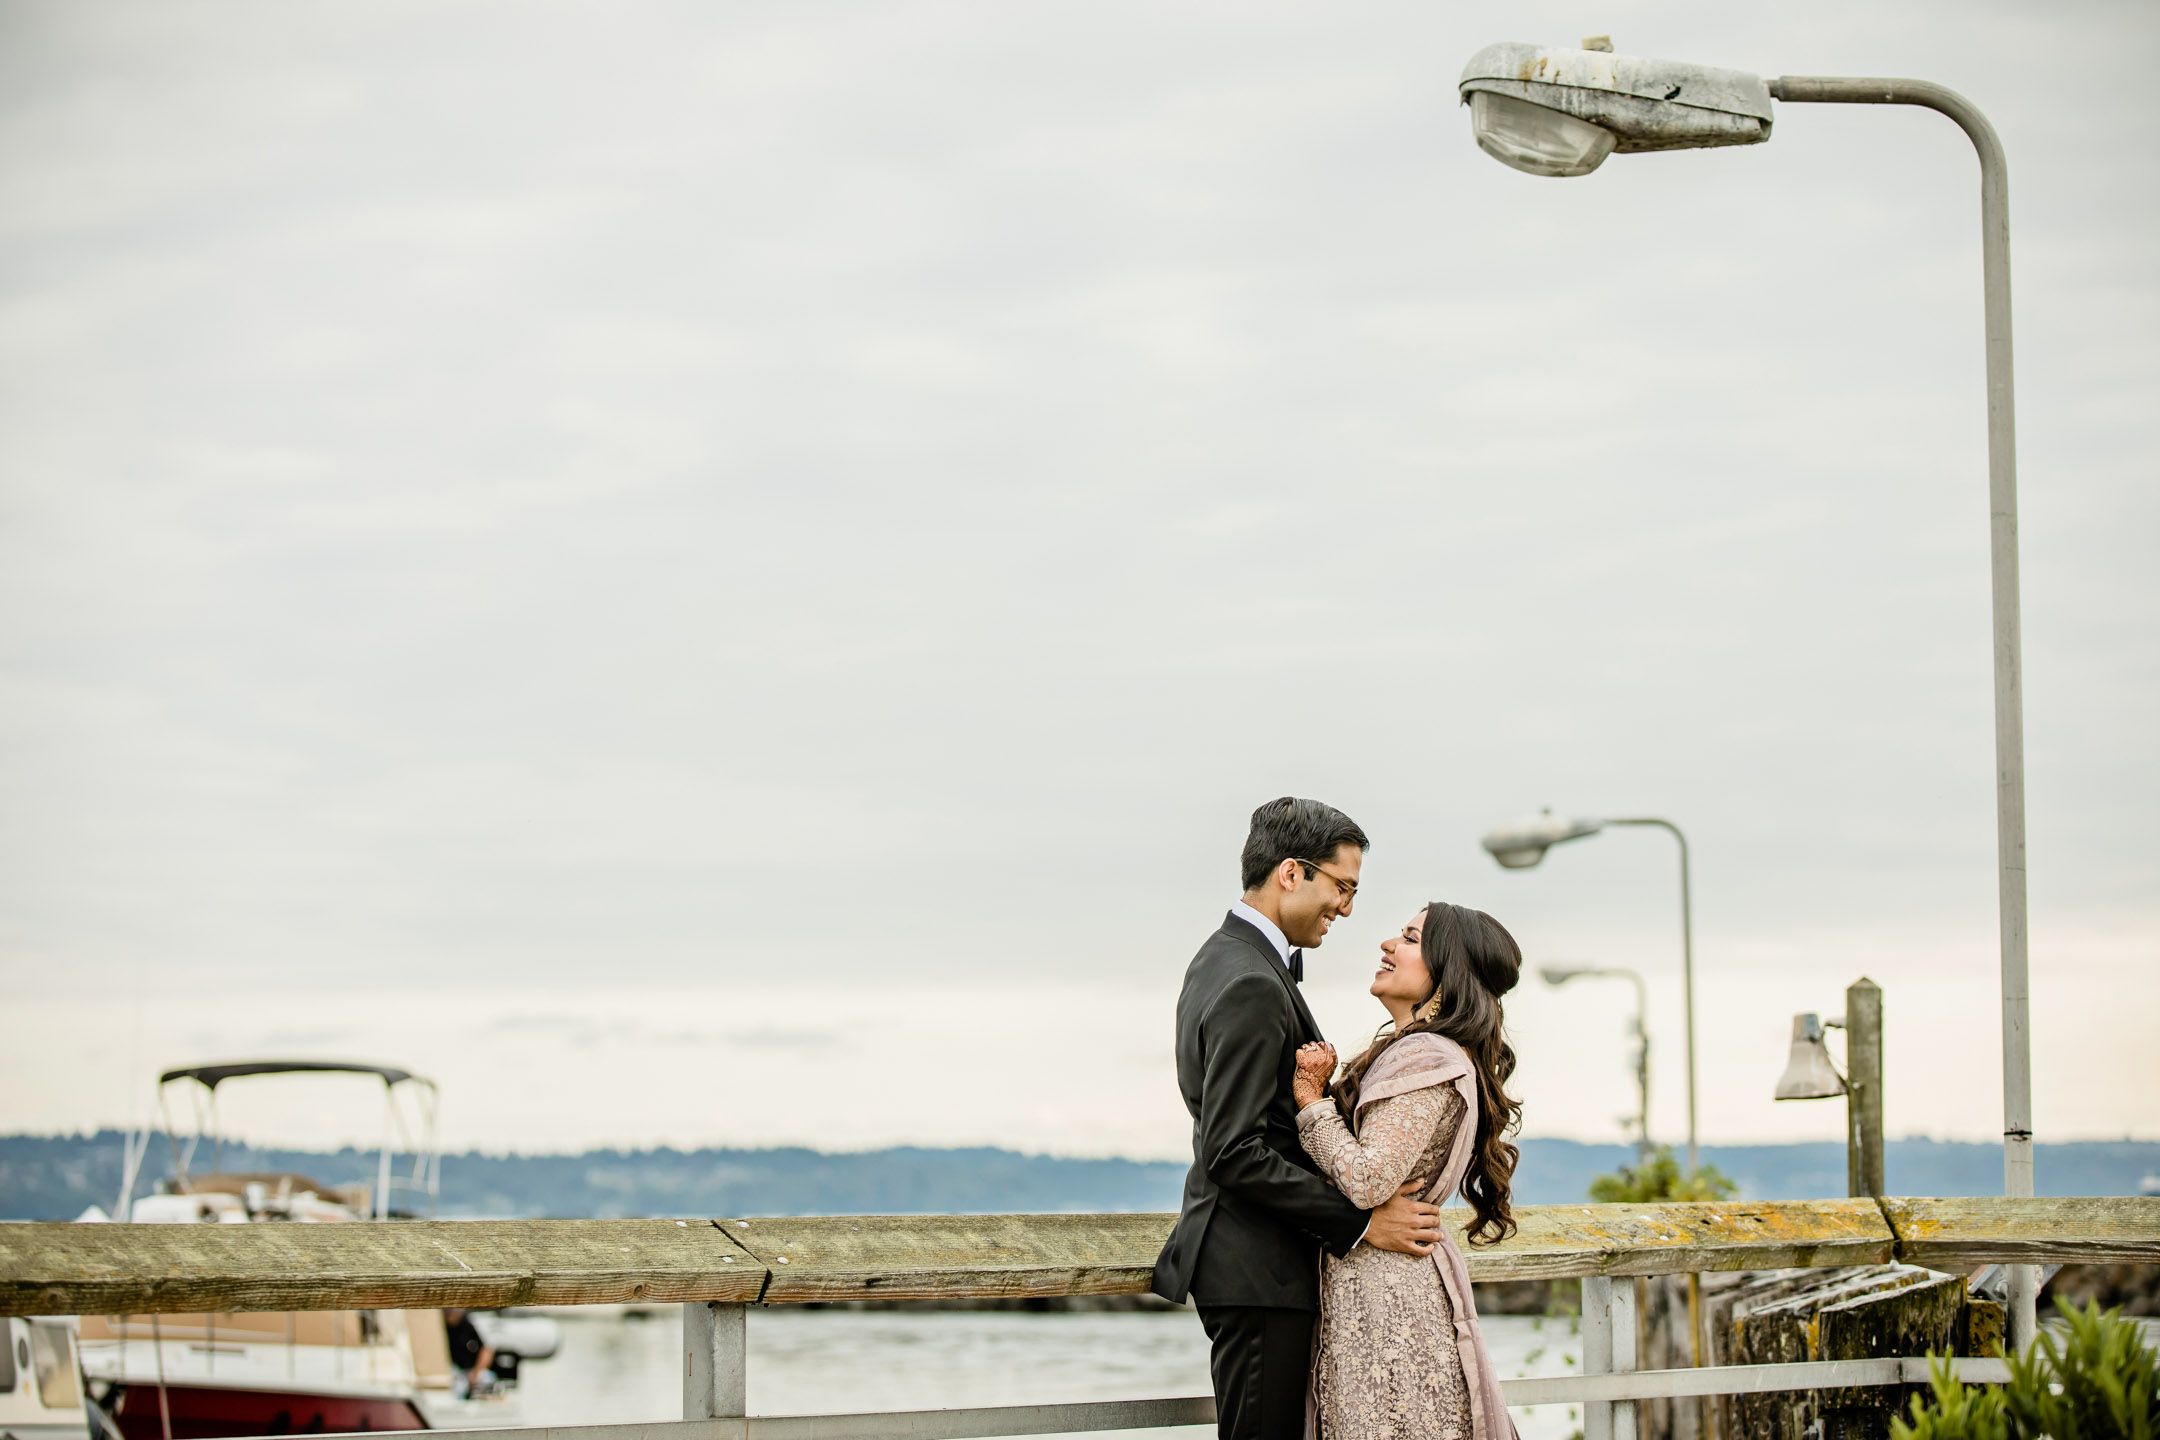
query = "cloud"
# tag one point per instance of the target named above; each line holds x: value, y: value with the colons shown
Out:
x: 696, y: 500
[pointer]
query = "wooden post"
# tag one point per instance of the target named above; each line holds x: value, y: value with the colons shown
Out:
x: 715, y: 1361
x: 1597, y: 1352
x: 1626, y: 1414
x: 1705, y: 1410
x: 1608, y: 1336
x: 1864, y: 1098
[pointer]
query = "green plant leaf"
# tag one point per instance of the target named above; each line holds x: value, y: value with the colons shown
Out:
x: 2097, y: 1380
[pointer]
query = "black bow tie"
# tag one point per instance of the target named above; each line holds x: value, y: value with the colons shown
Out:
x: 1297, y: 967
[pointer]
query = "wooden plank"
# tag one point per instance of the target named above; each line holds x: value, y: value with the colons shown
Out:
x: 931, y: 1257
x: 141, y: 1269
x: 1557, y: 1241
x: 1961, y: 1234
x: 67, y: 1269
x: 923, y: 1257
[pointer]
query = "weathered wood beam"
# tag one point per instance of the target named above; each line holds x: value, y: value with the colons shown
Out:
x: 110, y: 1269
x: 1962, y: 1234
x: 932, y: 1257
x: 935, y: 1257
x: 1558, y: 1241
x: 66, y: 1269
x: 142, y: 1269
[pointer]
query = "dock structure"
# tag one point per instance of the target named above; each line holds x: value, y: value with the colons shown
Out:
x: 717, y: 1266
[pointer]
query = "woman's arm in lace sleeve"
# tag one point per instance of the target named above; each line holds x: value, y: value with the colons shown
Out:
x: 1370, y: 1167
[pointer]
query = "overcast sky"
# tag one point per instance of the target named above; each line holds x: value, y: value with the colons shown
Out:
x: 731, y: 574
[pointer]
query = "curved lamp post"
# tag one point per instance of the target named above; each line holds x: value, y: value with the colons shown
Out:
x: 1559, y: 111
x: 1523, y: 844
x: 1558, y: 975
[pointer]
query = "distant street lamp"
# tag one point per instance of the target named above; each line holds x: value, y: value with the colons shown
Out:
x: 1559, y: 111
x: 1524, y: 843
x: 1521, y: 846
x: 1558, y: 975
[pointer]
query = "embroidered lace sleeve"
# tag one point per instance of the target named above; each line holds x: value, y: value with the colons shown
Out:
x: 1371, y: 1166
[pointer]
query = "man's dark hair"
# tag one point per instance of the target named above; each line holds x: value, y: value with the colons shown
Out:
x: 1294, y: 829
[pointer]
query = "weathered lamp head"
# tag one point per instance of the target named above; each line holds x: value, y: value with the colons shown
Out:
x: 1555, y: 111
x: 1522, y: 844
x: 1809, y: 1075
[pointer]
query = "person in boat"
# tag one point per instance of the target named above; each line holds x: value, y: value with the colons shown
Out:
x: 1399, y: 1355
x: 470, y: 1354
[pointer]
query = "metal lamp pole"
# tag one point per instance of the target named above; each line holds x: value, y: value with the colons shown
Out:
x: 1558, y: 975
x: 1522, y: 845
x: 1687, y: 970
x: 1560, y: 112
x: 2009, y: 659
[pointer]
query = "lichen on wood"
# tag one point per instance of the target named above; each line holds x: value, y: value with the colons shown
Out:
x: 55, y: 1269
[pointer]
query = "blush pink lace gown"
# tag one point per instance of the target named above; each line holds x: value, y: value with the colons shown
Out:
x: 1388, y: 1365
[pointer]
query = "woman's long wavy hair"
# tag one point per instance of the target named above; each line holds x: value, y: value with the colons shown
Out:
x: 1473, y: 961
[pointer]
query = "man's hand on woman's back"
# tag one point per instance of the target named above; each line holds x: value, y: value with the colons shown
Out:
x: 1405, y: 1225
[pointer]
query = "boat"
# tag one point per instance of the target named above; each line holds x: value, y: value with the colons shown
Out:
x: 205, y: 1376
x: 41, y: 1394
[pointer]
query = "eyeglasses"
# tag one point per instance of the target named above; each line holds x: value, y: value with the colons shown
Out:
x: 1348, y: 887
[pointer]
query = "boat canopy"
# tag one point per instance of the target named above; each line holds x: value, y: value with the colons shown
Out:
x: 211, y: 1076
x: 426, y: 1179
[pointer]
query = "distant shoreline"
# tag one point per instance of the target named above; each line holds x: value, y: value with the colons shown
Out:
x: 56, y: 1177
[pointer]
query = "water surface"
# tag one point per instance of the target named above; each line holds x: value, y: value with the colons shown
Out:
x: 620, y: 1366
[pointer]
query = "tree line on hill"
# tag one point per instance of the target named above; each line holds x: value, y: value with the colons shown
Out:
x: 57, y: 1177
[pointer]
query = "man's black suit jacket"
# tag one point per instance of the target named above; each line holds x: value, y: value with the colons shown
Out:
x: 1256, y: 1212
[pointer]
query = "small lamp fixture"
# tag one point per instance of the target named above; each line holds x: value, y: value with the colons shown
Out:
x: 1522, y: 844
x: 1809, y: 1075
x: 1550, y: 110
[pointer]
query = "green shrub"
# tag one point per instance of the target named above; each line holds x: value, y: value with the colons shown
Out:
x: 1659, y: 1178
x: 2101, y: 1381
x: 1960, y: 1412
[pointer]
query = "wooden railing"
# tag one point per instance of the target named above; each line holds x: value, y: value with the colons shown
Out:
x: 717, y: 1267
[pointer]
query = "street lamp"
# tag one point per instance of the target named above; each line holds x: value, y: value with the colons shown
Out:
x: 1560, y: 111
x: 1558, y: 975
x: 1524, y: 843
x: 1810, y: 1075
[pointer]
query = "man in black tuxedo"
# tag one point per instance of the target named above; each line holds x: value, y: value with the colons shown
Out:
x: 1257, y: 1212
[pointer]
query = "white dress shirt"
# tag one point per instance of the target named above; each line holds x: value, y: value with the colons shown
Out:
x: 1266, y: 927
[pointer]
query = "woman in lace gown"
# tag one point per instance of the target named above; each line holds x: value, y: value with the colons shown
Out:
x: 1399, y: 1355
